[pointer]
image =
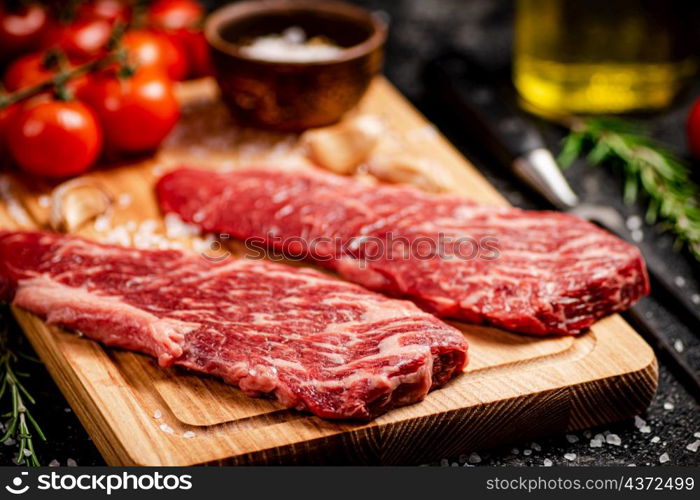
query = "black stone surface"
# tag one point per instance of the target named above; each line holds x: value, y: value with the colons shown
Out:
x: 420, y: 29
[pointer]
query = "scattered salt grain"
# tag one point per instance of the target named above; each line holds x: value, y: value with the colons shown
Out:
x: 613, y: 439
x: 570, y: 456
x: 527, y: 452
x: 167, y: 429
x: 634, y: 222
x: 9, y: 442
x: 119, y: 236
x: 157, y: 414
x: 44, y: 201
x: 67, y: 410
x: 655, y: 439
x: 71, y: 463
x: 124, y: 200
x: 631, y: 465
x: 54, y: 463
x: 693, y: 446
x: 697, y: 435
x: 536, y: 446
x: 148, y: 226
x: 572, y: 438
x: 202, y: 245
x: 639, y: 422
x: 679, y: 281
x: 175, y: 227
x: 637, y: 235
x: 102, y: 223
x: 474, y: 458
x: 27, y: 452
x: 668, y: 406
x: 695, y: 298
x: 596, y: 443
x: 664, y: 458
x: 678, y: 345
x: 547, y: 462
x: 189, y: 435
x: 645, y: 429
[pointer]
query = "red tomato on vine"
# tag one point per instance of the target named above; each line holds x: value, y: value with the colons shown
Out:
x: 135, y: 112
x: 54, y: 138
x: 152, y: 50
x: 33, y: 69
x: 181, y: 21
x: 21, y: 29
x: 81, y: 39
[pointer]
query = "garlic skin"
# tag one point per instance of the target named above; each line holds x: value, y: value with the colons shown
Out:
x: 343, y: 147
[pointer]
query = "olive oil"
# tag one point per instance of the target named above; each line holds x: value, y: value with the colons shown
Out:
x: 601, y: 56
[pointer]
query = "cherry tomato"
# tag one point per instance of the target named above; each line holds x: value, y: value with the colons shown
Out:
x: 196, y: 50
x: 111, y: 10
x: 136, y: 113
x: 693, y: 129
x: 175, y: 14
x: 26, y: 71
x: 21, y: 30
x: 181, y: 20
x: 148, y: 49
x: 31, y: 69
x: 55, y: 138
x: 82, y: 39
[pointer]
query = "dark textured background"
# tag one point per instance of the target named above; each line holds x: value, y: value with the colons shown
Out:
x: 420, y: 29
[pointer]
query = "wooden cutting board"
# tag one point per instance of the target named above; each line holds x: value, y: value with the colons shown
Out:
x: 516, y: 387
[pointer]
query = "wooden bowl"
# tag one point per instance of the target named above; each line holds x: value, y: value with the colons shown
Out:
x: 294, y: 96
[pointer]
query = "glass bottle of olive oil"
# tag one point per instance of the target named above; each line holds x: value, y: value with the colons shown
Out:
x: 601, y: 56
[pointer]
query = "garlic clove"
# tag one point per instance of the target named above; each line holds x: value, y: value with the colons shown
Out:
x: 77, y: 202
x: 341, y: 148
x: 405, y: 169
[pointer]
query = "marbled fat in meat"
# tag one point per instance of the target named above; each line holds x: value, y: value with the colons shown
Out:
x: 312, y: 341
x: 527, y: 271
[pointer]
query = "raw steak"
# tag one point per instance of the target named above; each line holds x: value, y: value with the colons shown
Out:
x: 314, y: 342
x: 526, y: 271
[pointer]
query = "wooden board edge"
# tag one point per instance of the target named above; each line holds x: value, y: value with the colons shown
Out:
x: 566, y: 409
x: 623, y: 396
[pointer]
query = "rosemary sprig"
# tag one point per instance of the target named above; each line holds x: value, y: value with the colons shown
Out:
x: 648, y: 169
x: 20, y: 423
